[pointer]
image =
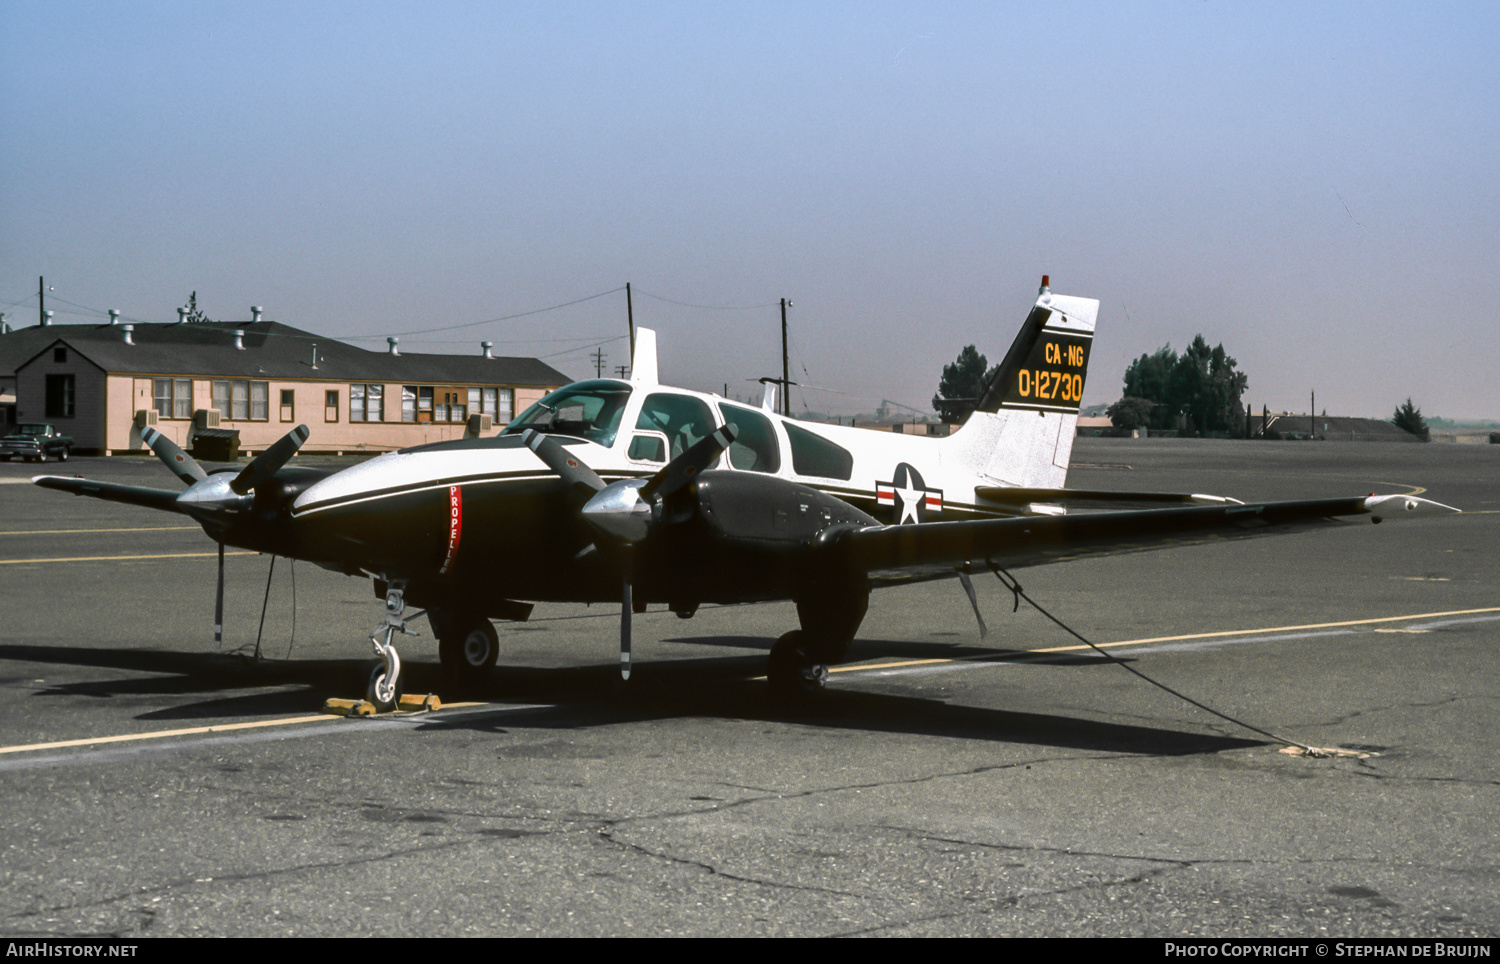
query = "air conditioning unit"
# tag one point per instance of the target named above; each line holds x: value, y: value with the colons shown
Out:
x: 480, y: 424
x: 206, y: 418
x: 145, y: 417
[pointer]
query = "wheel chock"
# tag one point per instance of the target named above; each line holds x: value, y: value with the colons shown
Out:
x: 349, y: 708
x: 413, y: 703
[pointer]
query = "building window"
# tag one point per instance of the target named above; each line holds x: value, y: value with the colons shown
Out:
x: 424, y: 403
x: 59, y: 354
x: 241, y: 399
x: 450, y: 410
x: 408, y: 403
x: 331, y: 405
x: 60, y: 396
x: 497, y: 403
x: 366, y: 403
x: 173, y: 397
x: 288, y: 405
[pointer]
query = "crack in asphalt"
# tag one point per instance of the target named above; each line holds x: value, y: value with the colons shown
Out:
x: 607, y: 833
x: 168, y: 887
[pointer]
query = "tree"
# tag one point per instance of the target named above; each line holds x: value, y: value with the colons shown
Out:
x: 1408, y: 418
x: 962, y: 384
x: 1131, y: 413
x: 194, y: 313
x: 1201, y: 387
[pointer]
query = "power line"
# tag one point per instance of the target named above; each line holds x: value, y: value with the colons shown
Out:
x: 685, y: 304
x: 487, y: 321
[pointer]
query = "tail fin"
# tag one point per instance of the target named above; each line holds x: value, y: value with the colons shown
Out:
x: 1021, y: 433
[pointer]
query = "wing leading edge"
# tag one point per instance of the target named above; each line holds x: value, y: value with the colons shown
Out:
x: 892, y: 554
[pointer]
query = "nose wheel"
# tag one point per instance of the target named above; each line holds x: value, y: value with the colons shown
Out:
x: 384, y: 689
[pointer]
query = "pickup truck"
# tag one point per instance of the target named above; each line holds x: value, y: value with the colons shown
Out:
x: 34, y: 441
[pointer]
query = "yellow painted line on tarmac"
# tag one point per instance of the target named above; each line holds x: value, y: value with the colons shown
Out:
x: 159, y: 734
x: 161, y: 555
x: 63, y: 532
x: 1176, y: 639
x: 200, y: 730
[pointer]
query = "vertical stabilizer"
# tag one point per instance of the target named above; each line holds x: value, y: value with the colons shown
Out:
x: 643, y: 364
x: 1021, y: 432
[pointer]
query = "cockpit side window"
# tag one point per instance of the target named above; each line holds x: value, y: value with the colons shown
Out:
x: 755, y: 448
x: 815, y: 455
x: 588, y: 410
x: 683, y: 419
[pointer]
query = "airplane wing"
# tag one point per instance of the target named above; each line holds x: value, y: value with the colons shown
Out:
x: 112, y: 491
x: 1097, y: 499
x: 894, y: 554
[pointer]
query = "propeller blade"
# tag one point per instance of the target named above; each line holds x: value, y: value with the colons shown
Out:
x: 568, y: 468
x: 267, y: 463
x: 173, y: 457
x: 683, y: 469
x: 627, y: 606
x: 219, y: 604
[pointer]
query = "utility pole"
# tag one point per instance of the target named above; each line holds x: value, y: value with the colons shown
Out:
x: 630, y: 319
x: 598, y: 357
x: 786, y: 377
x: 622, y: 370
x: 41, y: 300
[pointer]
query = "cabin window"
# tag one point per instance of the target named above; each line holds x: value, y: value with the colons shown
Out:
x: 588, y: 410
x: 684, y: 420
x: 815, y: 455
x: 754, y: 448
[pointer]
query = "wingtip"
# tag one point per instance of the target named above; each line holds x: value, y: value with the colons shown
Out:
x: 1384, y: 507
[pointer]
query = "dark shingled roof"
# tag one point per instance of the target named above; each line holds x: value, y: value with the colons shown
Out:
x: 272, y: 350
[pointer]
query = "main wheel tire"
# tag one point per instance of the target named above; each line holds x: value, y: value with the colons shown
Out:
x: 468, y: 649
x: 791, y: 673
x: 383, y: 693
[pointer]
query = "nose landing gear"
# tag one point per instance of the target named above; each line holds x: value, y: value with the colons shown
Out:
x: 384, y: 689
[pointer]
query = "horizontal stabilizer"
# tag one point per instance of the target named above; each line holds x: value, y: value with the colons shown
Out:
x: 1097, y: 499
x: 113, y: 492
x: 938, y: 548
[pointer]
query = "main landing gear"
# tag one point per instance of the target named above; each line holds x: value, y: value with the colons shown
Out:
x: 792, y: 672
x: 467, y: 647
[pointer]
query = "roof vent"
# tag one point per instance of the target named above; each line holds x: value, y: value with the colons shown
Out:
x: 181, y: 315
x: 46, y: 318
x: 114, y: 316
x: 239, y: 338
x: 129, y: 332
x: 485, y: 346
x: 315, y: 355
x: 393, y: 341
x: 255, y: 311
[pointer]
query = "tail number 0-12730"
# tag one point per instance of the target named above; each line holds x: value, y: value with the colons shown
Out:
x: 1050, y: 385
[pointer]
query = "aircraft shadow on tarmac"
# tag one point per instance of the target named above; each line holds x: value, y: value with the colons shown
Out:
x: 586, y: 696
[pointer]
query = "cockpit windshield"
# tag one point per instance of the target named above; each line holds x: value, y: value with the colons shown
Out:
x: 588, y: 410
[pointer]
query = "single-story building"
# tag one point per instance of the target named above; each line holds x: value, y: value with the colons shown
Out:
x: 102, y: 384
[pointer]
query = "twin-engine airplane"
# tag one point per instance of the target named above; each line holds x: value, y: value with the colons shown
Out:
x: 630, y: 491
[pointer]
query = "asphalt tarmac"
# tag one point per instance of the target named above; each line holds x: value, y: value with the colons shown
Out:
x: 946, y: 785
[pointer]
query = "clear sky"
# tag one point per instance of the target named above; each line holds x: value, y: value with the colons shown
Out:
x: 1313, y: 185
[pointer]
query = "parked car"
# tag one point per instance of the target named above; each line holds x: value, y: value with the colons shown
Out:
x: 34, y: 442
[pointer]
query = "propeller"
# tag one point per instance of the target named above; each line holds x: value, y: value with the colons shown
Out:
x: 624, y: 511
x: 209, y: 496
x: 173, y: 457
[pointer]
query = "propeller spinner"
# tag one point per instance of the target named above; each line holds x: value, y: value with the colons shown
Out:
x: 624, y: 511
